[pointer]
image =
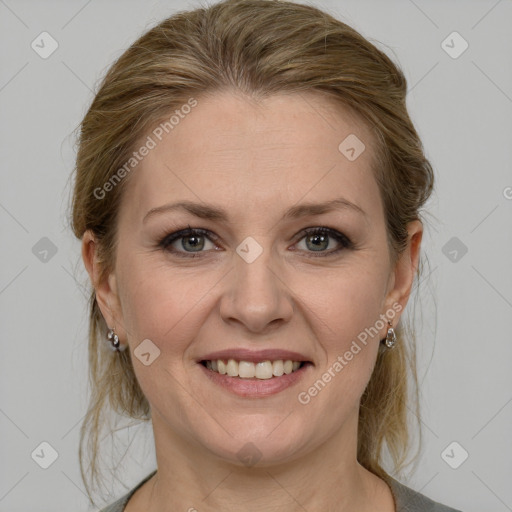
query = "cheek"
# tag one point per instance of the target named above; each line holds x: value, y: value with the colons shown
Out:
x: 164, y: 305
x: 345, y: 313
x: 346, y: 303
x: 167, y: 308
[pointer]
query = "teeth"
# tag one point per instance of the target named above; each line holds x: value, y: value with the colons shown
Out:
x: 249, y: 370
x: 232, y: 368
x: 246, y: 370
x: 264, y: 370
x: 278, y: 368
x: 221, y: 367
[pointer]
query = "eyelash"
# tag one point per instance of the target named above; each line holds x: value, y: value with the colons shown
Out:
x: 168, y: 239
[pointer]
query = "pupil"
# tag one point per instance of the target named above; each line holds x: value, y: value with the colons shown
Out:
x: 318, y: 240
x: 196, y: 244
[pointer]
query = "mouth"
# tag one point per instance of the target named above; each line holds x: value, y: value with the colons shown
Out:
x: 261, y: 370
x: 254, y: 379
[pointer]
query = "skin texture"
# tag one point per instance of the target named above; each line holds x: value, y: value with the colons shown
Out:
x: 256, y: 160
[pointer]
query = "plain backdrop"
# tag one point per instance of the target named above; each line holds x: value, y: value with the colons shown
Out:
x: 461, y: 104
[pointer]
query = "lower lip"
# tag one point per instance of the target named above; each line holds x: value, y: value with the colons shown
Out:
x: 257, y: 388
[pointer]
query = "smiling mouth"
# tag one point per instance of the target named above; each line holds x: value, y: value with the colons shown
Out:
x: 262, y: 370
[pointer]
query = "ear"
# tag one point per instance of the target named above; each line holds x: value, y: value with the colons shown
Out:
x: 402, y: 278
x: 105, y: 286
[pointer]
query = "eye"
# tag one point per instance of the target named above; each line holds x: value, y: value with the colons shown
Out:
x: 318, y: 240
x: 187, y: 241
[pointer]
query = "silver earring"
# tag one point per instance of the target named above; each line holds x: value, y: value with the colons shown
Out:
x: 114, y: 340
x: 390, y: 339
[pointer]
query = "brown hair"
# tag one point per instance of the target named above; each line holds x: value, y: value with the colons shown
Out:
x: 258, y: 47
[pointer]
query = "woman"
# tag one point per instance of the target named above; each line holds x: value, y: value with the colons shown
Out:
x: 248, y: 193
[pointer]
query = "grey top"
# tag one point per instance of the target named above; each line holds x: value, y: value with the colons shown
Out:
x: 406, y: 499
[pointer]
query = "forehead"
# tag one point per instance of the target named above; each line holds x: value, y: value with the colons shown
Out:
x: 268, y: 154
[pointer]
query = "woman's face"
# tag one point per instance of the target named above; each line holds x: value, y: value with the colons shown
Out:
x: 252, y: 285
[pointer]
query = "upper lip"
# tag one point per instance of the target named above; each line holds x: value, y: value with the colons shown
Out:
x: 243, y: 354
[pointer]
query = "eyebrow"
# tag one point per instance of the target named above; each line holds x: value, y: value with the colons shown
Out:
x: 211, y: 212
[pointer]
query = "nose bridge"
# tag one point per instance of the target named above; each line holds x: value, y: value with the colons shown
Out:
x: 256, y: 296
x: 253, y: 267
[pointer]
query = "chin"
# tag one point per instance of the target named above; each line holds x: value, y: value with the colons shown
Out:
x: 262, y: 442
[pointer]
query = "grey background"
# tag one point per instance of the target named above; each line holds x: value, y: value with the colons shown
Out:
x: 462, y: 108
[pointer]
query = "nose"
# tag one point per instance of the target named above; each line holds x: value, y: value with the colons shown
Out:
x: 256, y: 294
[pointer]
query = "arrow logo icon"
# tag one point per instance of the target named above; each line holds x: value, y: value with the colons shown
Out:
x: 351, y: 147
x: 44, y: 250
x: 454, y: 45
x: 44, y: 45
x: 249, y: 249
x: 147, y: 352
x: 44, y: 455
x: 249, y: 454
x: 454, y: 455
x: 454, y: 249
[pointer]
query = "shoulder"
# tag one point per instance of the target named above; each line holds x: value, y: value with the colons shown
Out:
x: 409, y: 500
x: 120, y: 504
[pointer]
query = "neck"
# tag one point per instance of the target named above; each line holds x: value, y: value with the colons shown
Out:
x: 326, y: 478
